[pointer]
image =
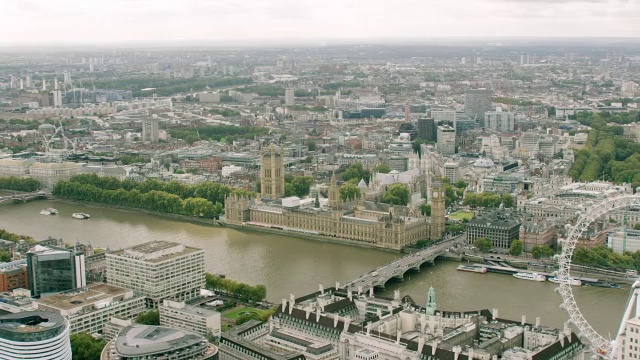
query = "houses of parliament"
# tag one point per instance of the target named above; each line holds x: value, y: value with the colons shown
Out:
x: 362, y: 222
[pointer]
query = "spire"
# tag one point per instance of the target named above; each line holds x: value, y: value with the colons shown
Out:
x: 316, y: 203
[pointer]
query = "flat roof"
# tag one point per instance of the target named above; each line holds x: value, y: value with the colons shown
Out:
x: 82, y: 297
x: 155, y: 251
x: 140, y: 340
x: 30, y: 322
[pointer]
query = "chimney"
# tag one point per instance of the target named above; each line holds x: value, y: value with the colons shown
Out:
x: 398, y: 335
x: 307, y: 311
x: 347, y: 321
x: 470, y: 356
x: 420, y: 344
x: 335, y: 320
x: 337, y: 285
x: 368, y: 329
x: 359, y: 289
x: 291, y: 307
x: 456, y: 351
x: 284, y: 304
x: 350, y: 295
x: 371, y: 291
x: 537, y: 322
x: 396, y: 295
x: 379, y: 313
x: 317, y: 315
x: 524, y: 319
x: 495, y: 313
x: 434, y: 346
x: 321, y: 289
x: 292, y: 298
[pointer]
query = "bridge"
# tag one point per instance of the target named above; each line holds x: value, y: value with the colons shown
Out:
x: 397, y: 268
x: 24, y: 197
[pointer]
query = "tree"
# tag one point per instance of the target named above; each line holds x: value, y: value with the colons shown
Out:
x: 302, y: 185
x: 425, y: 209
x: 150, y: 317
x: 289, y: 189
x: 483, y: 244
x: 515, y: 248
x: 540, y: 251
x: 356, y: 171
x: 349, y: 192
x: 383, y: 169
x: 397, y: 194
x: 5, y: 256
x: 86, y: 347
x: 311, y: 145
x: 461, y: 184
x: 636, y: 226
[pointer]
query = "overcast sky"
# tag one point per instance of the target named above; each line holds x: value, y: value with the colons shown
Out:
x: 115, y: 21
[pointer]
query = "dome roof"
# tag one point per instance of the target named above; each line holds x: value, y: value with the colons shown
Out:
x: 484, y: 163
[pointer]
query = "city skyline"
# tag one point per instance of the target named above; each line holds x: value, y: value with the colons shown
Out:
x: 29, y: 22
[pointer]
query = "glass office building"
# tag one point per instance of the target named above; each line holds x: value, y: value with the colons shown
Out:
x: 52, y: 269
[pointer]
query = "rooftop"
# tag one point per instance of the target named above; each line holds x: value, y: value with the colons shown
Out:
x: 155, y: 251
x: 82, y: 297
x: 29, y: 322
x: 139, y: 340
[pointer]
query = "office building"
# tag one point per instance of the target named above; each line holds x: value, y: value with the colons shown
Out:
x: 624, y: 240
x: 90, y: 308
x: 502, y: 121
x: 159, y: 270
x: 499, y: 225
x: 150, y: 130
x: 289, y: 97
x: 48, y: 174
x: 13, y: 275
x: 477, y: 102
x: 452, y: 171
x: 158, y: 342
x: 426, y: 129
x: 178, y: 315
x: 36, y: 335
x: 446, y: 144
x: 52, y: 269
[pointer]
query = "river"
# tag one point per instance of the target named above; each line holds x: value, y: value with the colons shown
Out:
x: 292, y: 265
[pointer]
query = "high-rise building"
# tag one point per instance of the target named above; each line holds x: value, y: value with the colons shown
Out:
x: 477, y: 102
x: 502, y: 121
x: 437, y: 209
x: 66, y: 77
x: 27, y: 81
x: 34, y: 335
x: 150, y: 130
x: 52, y: 269
x: 178, y: 315
x: 159, y: 270
x: 446, y: 140
x: 289, y: 97
x: 452, y: 171
x: 271, y: 173
x: 426, y: 129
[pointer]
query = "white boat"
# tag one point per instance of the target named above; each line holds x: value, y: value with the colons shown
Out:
x: 473, y: 268
x: 48, y: 211
x: 530, y: 276
x: 572, y: 281
x: 81, y: 216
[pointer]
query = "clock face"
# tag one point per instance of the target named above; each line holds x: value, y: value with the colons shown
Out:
x: 435, y: 194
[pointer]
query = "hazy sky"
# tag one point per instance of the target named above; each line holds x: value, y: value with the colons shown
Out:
x: 112, y: 21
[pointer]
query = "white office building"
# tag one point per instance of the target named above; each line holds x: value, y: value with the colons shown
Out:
x: 178, y: 315
x: 446, y: 140
x: 159, y: 270
x: 90, y: 308
x: 289, y: 97
x: 502, y: 121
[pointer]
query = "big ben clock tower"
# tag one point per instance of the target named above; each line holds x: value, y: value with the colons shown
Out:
x: 437, y: 209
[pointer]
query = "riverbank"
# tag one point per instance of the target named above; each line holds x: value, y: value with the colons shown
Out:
x: 317, y: 237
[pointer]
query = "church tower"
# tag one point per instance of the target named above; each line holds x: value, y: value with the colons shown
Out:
x: 334, y: 193
x: 437, y: 209
x: 271, y: 173
x: 431, y: 301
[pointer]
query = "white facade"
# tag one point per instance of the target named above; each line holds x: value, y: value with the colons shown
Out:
x: 502, y: 121
x: 177, y: 315
x: 150, y: 130
x: 446, y: 140
x: 50, y: 173
x: 452, y: 171
x: 89, y: 309
x: 55, y: 347
x: 289, y: 97
x: 159, y: 270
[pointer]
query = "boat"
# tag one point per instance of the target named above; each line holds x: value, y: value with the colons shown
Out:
x: 529, y: 276
x: 48, y: 211
x: 572, y: 281
x: 602, y: 283
x: 473, y: 268
x: 81, y: 216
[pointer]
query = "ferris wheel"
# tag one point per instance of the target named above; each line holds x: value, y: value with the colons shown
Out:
x: 599, y: 344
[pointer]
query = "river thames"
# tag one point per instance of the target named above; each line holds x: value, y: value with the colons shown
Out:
x: 293, y: 265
